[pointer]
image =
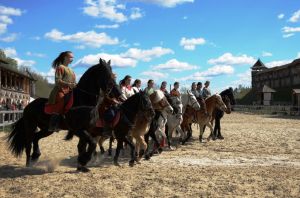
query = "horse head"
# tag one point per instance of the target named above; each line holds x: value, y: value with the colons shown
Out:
x: 229, y: 93
x: 160, y: 102
x: 192, y: 100
x: 219, y: 102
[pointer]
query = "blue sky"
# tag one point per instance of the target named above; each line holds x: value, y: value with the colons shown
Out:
x: 172, y: 40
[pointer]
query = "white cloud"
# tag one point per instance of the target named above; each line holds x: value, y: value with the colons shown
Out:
x: 10, y: 52
x: 190, y: 44
x: 266, y: 54
x: 278, y: 63
x: 50, y: 75
x: 295, y: 17
x: 154, y: 74
x: 298, y: 55
x: 146, y: 55
x: 10, y: 11
x: 185, y: 18
x: 216, y: 70
x: 90, y: 38
x: 229, y: 59
x: 108, y: 9
x: 136, y: 13
x: 290, y: 29
x: 288, y: 35
x: 5, y: 12
x: 22, y: 62
x: 116, y: 60
x: 40, y: 55
x: 114, y: 26
x: 10, y: 38
x: 280, y: 16
x: 175, y: 65
x: 5, y: 19
x: 165, y: 3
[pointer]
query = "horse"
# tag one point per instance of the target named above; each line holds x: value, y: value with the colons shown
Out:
x: 86, y: 130
x: 174, y: 121
x: 157, y: 125
x: 212, y: 102
x: 97, y: 79
x: 229, y: 100
x: 160, y: 103
x: 189, y: 115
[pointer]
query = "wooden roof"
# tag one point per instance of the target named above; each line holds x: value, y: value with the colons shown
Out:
x: 259, y: 65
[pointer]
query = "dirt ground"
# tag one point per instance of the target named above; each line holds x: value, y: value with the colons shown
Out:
x: 259, y: 157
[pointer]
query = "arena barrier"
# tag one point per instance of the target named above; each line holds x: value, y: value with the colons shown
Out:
x: 9, y: 117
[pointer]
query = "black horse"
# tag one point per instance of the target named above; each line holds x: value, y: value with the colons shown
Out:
x: 137, y: 105
x: 96, y: 79
x: 226, y: 95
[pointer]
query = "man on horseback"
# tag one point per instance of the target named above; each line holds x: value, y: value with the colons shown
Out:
x: 61, y: 98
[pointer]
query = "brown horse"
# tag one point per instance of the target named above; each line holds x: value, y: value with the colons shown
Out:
x: 191, y: 116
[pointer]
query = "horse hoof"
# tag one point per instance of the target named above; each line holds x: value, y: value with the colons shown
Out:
x: 221, y: 137
x: 160, y: 150
x: 35, y: 157
x: 116, y: 163
x: 131, y: 163
x: 147, y: 157
x: 83, y: 169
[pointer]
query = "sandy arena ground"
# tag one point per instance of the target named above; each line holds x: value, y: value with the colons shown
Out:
x: 260, y: 157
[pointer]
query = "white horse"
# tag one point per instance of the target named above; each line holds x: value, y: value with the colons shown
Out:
x: 174, y: 120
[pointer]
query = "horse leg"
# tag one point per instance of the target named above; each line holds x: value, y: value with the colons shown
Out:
x: 146, y: 137
x: 130, y: 143
x: 182, y: 135
x: 36, y: 149
x: 111, y: 139
x: 211, y: 131
x: 219, y: 136
x: 85, y: 155
x: 201, y: 133
x: 119, y: 147
x: 156, y: 144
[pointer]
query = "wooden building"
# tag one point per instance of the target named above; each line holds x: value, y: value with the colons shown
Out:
x: 16, y: 88
x: 282, y: 79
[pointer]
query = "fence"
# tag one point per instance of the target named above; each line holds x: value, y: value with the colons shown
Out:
x: 9, y: 117
x: 260, y: 109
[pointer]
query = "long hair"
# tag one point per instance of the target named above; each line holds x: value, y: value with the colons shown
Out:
x: 60, y: 59
x: 122, y: 82
x: 136, y: 82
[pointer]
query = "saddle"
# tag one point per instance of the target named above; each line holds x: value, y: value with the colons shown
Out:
x: 101, y: 122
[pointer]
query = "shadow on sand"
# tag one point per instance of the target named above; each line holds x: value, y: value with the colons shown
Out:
x: 11, y: 171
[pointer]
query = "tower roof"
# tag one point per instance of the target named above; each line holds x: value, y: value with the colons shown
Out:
x: 259, y: 65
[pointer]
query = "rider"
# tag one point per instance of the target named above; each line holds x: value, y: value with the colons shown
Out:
x: 149, y: 89
x: 61, y: 94
x: 136, y: 86
x: 126, y: 89
x: 163, y: 87
x: 206, y: 91
x: 175, y: 91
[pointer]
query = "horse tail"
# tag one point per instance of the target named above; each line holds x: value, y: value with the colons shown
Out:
x: 69, y: 136
x: 17, y: 138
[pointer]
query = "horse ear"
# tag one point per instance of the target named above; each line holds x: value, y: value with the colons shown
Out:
x: 100, y: 60
x: 109, y: 62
